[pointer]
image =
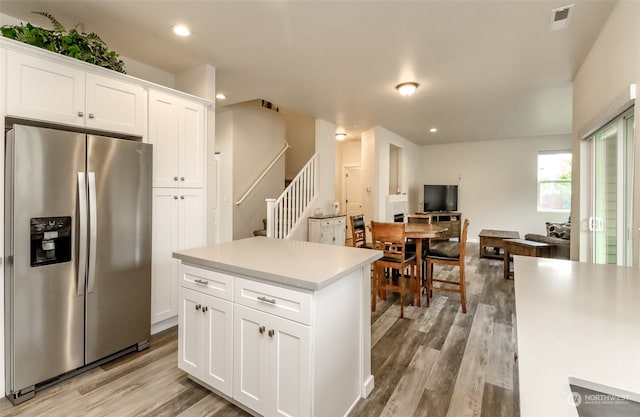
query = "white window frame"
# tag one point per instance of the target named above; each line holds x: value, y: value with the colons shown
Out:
x: 539, y: 182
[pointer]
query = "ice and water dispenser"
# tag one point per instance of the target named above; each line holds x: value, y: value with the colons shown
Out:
x: 50, y: 240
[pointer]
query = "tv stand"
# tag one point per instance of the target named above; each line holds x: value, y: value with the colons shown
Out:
x: 450, y: 219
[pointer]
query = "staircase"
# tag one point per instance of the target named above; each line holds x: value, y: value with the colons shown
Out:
x: 287, y: 211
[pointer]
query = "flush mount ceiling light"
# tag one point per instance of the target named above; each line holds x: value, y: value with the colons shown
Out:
x: 406, y: 89
x: 220, y: 96
x: 433, y: 130
x: 181, y: 30
x: 341, y: 136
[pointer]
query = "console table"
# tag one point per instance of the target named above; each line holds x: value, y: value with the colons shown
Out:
x: 525, y: 248
x: 449, y: 219
x: 495, y: 240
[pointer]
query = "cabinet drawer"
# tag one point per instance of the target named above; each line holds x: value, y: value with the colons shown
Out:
x: 332, y: 222
x: 206, y: 281
x: 290, y: 304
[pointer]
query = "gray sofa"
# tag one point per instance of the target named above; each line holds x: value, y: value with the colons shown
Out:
x: 558, y: 235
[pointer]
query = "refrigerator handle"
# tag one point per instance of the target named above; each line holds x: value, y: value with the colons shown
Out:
x: 93, y: 230
x: 82, y: 239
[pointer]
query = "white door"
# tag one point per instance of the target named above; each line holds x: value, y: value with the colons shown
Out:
x: 164, y: 269
x: 289, y: 368
x: 42, y: 90
x: 163, y: 134
x: 192, y: 155
x: 218, y: 344
x: 250, y: 358
x: 353, y: 194
x: 612, y: 192
x: 190, y: 331
x: 192, y: 229
x: 115, y: 106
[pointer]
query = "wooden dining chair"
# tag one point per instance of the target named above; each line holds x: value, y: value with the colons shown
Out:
x: 390, y: 238
x: 359, y: 232
x: 448, y: 253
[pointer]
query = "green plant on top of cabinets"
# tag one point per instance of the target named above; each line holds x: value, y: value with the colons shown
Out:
x: 85, y: 47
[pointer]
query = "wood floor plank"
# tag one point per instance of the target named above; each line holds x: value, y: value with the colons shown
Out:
x: 497, y: 402
x: 500, y: 364
x: 408, y: 392
x: 467, y: 393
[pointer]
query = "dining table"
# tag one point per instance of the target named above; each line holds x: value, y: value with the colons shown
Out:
x: 422, y: 232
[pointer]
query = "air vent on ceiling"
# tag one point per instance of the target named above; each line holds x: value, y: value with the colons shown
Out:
x: 560, y: 17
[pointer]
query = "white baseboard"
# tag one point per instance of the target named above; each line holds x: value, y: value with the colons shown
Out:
x: 164, y: 325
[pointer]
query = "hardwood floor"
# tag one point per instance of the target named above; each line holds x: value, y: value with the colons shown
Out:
x: 436, y: 361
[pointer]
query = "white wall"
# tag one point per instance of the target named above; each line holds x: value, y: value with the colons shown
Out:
x: 497, y: 181
x: 224, y: 145
x: 610, y: 67
x: 326, y: 149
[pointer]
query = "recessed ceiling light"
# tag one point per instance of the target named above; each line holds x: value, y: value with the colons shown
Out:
x: 406, y: 89
x: 181, y: 30
x: 433, y: 130
x: 341, y: 136
x: 220, y: 96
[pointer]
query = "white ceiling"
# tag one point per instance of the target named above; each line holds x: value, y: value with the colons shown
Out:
x: 487, y: 69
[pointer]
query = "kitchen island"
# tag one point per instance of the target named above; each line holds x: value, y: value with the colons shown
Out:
x: 575, y: 320
x: 279, y: 327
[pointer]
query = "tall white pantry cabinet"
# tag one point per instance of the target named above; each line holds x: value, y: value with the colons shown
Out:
x: 177, y: 131
x: 44, y: 87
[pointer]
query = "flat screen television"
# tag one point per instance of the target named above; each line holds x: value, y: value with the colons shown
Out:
x: 440, y: 198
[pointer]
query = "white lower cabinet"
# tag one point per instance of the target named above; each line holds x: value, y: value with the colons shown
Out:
x: 178, y: 223
x: 206, y: 339
x: 271, y: 363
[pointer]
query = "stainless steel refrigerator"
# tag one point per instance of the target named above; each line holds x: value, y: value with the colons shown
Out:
x: 77, y: 251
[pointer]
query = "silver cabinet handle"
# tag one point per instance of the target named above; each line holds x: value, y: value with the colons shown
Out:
x: 91, y: 116
x: 181, y: 178
x: 175, y: 197
x: 201, y: 281
x: 261, y: 329
x: 80, y: 114
x: 267, y: 300
x: 271, y: 332
x: 181, y: 197
x: 175, y: 178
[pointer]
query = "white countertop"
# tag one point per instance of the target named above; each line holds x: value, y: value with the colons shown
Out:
x: 574, y: 319
x: 295, y: 263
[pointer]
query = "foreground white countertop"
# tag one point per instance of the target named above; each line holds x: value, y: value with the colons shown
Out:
x: 574, y: 319
x: 307, y: 265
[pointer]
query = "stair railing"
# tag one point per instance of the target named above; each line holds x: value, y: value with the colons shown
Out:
x: 285, y: 212
x: 255, y: 183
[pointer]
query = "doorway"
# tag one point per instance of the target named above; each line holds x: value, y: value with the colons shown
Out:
x: 612, y: 168
x: 352, y: 177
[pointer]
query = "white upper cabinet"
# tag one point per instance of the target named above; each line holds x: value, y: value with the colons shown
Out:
x: 44, y: 90
x: 177, y: 132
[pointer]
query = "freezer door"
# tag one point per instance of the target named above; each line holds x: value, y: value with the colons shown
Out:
x: 44, y: 314
x: 118, y: 311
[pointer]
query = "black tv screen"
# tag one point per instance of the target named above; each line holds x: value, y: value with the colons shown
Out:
x: 440, y: 198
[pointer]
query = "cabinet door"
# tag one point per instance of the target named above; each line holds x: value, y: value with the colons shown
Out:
x: 43, y: 90
x: 163, y: 134
x: 164, y: 269
x: 190, y: 332
x: 192, y: 155
x: 250, y: 358
x: 115, y: 105
x: 289, y: 368
x: 192, y: 219
x: 218, y: 344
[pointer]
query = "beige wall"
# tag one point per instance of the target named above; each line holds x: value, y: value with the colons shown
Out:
x: 300, y: 133
x: 348, y: 154
x: 249, y: 137
x: 598, y: 92
x: 497, y: 181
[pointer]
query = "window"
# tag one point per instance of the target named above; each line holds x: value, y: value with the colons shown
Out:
x: 554, y: 181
